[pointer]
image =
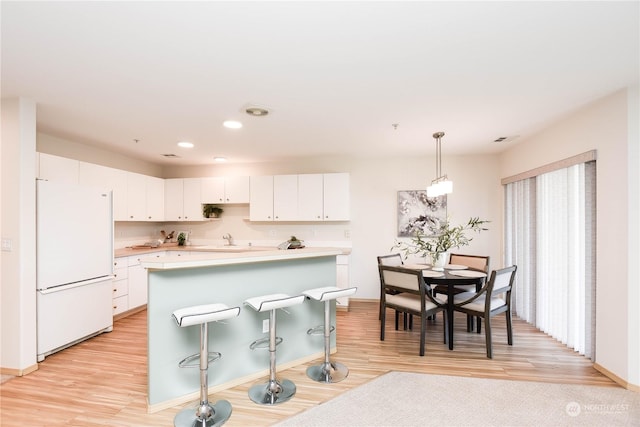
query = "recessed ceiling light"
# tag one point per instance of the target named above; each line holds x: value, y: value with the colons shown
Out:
x: 232, y: 124
x: 185, y: 144
x: 220, y: 159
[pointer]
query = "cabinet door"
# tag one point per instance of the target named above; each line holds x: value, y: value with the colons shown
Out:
x: 261, y: 200
x: 136, y: 196
x: 56, y: 168
x: 155, y: 198
x: 173, y: 195
x: 236, y: 189
x: 285, y: 197
x: 336, y: 197
x: 137, y: 286
x: 310, y: 197
x: 192, y: 202
x: 213, y: 190
x: 342, y: 277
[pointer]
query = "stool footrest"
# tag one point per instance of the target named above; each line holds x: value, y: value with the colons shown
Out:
x: 319, y: 330
x: 263, y: 343
x: 193, y: 361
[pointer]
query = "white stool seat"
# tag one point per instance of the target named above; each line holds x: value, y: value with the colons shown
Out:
x: 273, y: 301
x: 327, y: 371
x: 329, y: 292
x: 206, y: 413
x: 274, y: 391
x: 199, y: 314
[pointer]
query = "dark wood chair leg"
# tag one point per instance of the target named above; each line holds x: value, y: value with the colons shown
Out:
x: 509, y: 328
x: 487, y: 332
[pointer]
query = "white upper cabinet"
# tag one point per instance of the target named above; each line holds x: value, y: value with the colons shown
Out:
x: 136, y: 197
x: 306, y: 197
x: 182, y: 199
x: 145, y: 197
x: 285, y: 197
x: 221, y: 190
x: 60, y: 169
x: 155, y: 198
x: 108, y: 179
x: 336, y: 197
x: 310, y: 197
x: 236, y: 189
x: 261, y: 200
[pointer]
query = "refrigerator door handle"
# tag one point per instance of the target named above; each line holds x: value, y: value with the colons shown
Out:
x: 74, y: 285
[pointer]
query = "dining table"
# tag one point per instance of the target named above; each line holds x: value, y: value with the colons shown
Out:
x: 450, y: 276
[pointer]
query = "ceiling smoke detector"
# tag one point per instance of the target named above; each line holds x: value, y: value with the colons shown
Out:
x: 256, y: 111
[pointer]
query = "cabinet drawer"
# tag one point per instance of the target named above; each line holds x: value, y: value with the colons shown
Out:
x: 122, y: 262
x: 120, y: 305
x: 120, y: 288
x: 120, y: 273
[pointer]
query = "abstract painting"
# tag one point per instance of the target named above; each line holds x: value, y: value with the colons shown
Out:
x: 416, y: 211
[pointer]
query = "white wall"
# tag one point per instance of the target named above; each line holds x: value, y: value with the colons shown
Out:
x: 604, y: 126
x: 18, y: 301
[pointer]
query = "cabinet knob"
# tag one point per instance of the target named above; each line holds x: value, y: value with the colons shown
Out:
x: 131, y: 217
x: 149, y: 217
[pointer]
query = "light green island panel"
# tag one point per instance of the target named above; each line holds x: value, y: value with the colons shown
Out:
x: 177, y: 282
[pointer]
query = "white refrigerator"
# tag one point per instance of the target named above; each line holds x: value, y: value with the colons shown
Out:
x: 74, y: 264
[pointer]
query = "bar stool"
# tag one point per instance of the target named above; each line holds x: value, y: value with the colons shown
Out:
x: 273, y: 391
x: 205, y: 414
x: 327, y: 372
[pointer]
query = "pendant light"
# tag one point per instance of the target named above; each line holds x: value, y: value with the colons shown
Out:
x: 441, y: 185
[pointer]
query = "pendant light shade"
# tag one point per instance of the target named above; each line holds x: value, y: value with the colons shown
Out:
x: 441, y: 185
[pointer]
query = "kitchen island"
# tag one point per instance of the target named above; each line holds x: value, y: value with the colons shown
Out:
x: 230, y: 278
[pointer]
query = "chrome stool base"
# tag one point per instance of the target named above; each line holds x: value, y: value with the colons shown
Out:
x: 272, y: 392
x: 328, y: 372
x: 220, y: 413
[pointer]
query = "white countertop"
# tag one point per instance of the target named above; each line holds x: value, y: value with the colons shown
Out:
x: 209, y: 259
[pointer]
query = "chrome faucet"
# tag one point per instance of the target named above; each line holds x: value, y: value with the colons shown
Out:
x: 229, y: 239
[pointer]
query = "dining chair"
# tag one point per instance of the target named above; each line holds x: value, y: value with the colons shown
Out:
x: 473, y: 262
x: 494, y: 298
x: 405, y: 291
x: 393, y: 260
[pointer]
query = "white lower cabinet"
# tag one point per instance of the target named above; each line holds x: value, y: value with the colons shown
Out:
x: 120, y: 285
x: 137, y: 283
x: 343, y: 279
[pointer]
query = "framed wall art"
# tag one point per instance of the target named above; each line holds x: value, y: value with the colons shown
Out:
x: 416, y: 211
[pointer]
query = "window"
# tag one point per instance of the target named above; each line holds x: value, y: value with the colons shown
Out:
x: 550, y: 236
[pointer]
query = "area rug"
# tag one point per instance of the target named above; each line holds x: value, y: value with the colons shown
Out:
x: 408, y: 399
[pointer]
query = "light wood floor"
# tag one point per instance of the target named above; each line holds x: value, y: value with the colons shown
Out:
x: 102, y: 381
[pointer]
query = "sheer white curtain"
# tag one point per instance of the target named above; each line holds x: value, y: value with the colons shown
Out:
x: 549, y: 235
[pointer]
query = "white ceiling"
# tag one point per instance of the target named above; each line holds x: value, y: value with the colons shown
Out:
x: 335, y: 75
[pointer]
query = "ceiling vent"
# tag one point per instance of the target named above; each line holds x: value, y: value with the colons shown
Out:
x: 256, y: 111
x: 170, y: 156
x: 506, y: 138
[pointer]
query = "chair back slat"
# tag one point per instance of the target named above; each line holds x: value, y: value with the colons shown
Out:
x: 501, y: 280
x: 404, y: 280
x: 393, y: 260
x: 477, y: 262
